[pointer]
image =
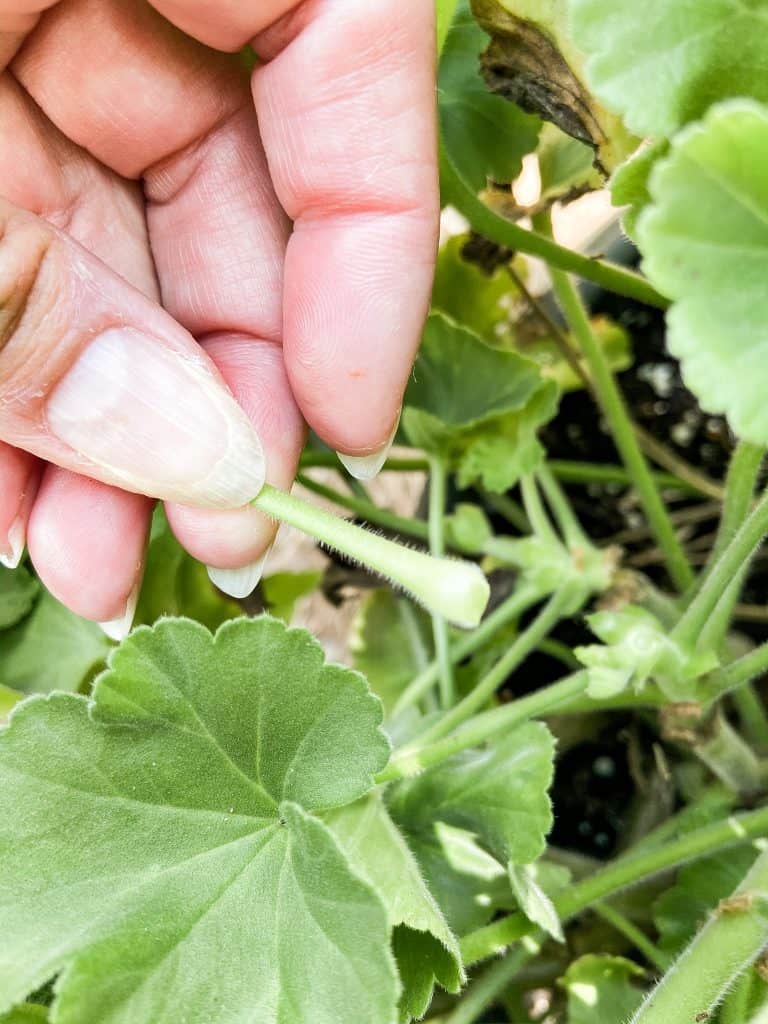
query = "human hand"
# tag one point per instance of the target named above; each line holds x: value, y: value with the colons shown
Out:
x: 297, y: 251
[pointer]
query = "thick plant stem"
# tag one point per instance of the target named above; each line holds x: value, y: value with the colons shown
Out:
x: 437, y: 488
x: 527, y: 641
x: 458, y: 590
x: 507, y: 233
x: 622, y: 431
x: 736, y: 554
x: 732, y: 938
x: 416, y: 757
x: 620, y: 874
x: 510, y: 609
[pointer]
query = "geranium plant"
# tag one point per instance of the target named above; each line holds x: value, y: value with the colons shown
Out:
x: 537, y: 790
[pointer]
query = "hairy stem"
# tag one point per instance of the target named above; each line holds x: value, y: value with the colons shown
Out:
x: 730, y: 941
x: 633, y: 934
x: 458, y: 590
x: 622, y: 430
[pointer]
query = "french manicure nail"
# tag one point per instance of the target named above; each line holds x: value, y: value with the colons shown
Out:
x: 238, y: 583
x: 366, y: 467
x: 15, y: 542
x: 157, y: 421
x: 119, y: 628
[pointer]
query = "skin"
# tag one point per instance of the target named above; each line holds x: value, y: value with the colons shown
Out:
x: 286, y: 219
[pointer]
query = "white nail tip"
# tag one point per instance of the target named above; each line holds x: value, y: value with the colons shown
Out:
x: 366, y: 467
x: 238, y: 583
x: 119, y: 628
x: 15, y: 545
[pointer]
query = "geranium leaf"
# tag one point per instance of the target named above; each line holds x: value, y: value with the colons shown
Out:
x: 705, y: 245
x: 534, y: 901
x: 159, y: 847
x: 51, y: 649
x: 630, y: 185
x: 662, y: 63
x: 18, y: 589
x: 500, y: 793
x: 600, y: 988
x: 485, y: 136
x: 425, y: 948
x: 26, y: 1014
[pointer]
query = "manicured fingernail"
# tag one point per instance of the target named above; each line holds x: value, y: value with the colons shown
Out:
x: 157, y: 421
x: 366, y: 467
x: 119, y: 628
x: 238, y: 583
x: 14, y: 545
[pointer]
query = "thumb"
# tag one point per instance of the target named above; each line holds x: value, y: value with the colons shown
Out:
x: 97, y: 378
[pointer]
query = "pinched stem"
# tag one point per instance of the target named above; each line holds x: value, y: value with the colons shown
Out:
x: 456, y: 589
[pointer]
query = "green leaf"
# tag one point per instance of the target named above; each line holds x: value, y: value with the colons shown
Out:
x: 8, y: 700
x: 477, y: 405
x: 534, y: 62
x: 51, y: 649
x: 600, y: 988
x: 468, y: 527
x: 500, y: 793
x: 566, y: 166
x: 26, y: 1014
x: 158, y: 845
x: 630, y: 185
x: 391, y: 642
x: 18, y: 590
x: 426, y: 950
x: 663, y: 63
x: 283, y: 590
x: 468, y: 883
x: 680, y: 911
x: 480, y: 300
x: 444, y: 11
x: 485, y: 136
x: 705, y: 243
x: 176, y: 584
x: 534, y: 901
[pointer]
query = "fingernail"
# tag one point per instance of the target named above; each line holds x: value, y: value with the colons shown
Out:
x: 366, y: 467
x: 15, y: 542
x: 157, y: 421
x: 238, y: 583
x: 119, y: 628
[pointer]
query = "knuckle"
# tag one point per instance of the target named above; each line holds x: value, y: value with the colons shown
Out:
x: 26, y: 289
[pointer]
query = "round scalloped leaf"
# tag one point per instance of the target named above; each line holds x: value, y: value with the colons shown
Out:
x: 705, y: 245
x: 157, y: 846
x: 663, y: 63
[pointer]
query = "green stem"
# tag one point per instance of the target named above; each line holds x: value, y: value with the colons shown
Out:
x: 620, y: 874
x: 591, y: 473
x: 486, y: 988
x: 311, y: 459
x: 508, y: 611
x: 415, y: 757
x: 569, y: 525
x: 736, y: 554
x: 633, y: 934
x: 752, y: 715
x: 458, y: 590
x: 558, y: 605
x: 716, y: 957
x: 507, y: 233
x: 437, y: 492
x: 367, y: 510
x: 535, y: 511
x: 622, y: 431
x: 746, y: 668
x: 743, y: 472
